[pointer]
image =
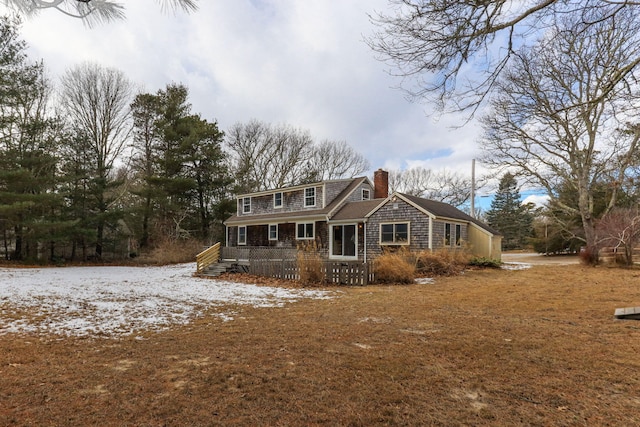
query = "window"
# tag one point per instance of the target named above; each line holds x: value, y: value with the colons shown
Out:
x: 277, y: 200
x: 246, y: 205
x: 447, y: 234
x: 273, y: 231
x: 305, y: 230
x: 458, y: 234
x: 344, y: 240
x: 366, y: 194
x: 394, y: 234
x: 309, y: 197
x: 242, y: 235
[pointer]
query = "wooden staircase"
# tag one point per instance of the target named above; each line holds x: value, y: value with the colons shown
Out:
x: 214, y: 270
x: 208, y: 262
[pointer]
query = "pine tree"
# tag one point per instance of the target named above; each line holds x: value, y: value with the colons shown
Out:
x: 96, y: 99
x: 29, y: 205
x: 509, y: 216
x: 181, y: 174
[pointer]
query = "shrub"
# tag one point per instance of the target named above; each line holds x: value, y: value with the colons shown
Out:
x: 588, y: 256
x: 484, y: 262
x: 442, y: 262
x: 394, y: 268
x: 310, y: 264
x: 172, y: 251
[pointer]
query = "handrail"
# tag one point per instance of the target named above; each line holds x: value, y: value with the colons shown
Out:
x: 209, y: 256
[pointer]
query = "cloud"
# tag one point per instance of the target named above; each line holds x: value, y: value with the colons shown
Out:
x: 539, y: 200
x: 280, y: 61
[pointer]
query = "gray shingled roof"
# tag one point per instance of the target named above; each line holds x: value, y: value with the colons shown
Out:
x: 445, y: 210
x: 356, y: 210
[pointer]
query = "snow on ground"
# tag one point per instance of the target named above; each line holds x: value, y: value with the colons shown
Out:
x: 118, y: 301
x: 515, y: 266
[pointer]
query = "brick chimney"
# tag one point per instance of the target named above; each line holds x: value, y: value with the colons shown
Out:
x: 380, y: 184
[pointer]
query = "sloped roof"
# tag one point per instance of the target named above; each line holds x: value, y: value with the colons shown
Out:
x: 441, y: 209
x: 356, y: 210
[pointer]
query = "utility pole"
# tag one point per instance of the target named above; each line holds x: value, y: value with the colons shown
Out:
x: 473, y: 188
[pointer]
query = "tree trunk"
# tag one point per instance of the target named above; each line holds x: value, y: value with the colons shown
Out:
x: 6, y: 245
x: 99, y: 238
x: 144, y: 240
x: 17, y: 250
x: 590, y: 239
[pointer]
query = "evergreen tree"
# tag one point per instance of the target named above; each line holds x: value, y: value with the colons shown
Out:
x: 96, y: 100
x: 76, y: 186
x: 181, y: 174
x: 509, y: 216
x: 29, y: 206
x: 145, y: 110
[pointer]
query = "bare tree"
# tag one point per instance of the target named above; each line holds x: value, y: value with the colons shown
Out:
x: 96, y: 100
x: 620, y: 228
x: 266, y: 157
x: 560, y: 111
x: 454, y: 50
x: 91, y: 11
x: 444, y: 186
x: 334, y: 160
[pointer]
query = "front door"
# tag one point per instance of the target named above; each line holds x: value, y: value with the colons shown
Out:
x: 344, y: 240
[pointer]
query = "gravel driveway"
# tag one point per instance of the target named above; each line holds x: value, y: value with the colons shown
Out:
x: 539, y: 259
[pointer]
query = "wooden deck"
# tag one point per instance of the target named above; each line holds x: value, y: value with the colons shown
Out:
x: 278, y: 263
x: 631, y: 313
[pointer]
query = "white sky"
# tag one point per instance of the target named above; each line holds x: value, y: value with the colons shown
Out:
x: 302, y: 63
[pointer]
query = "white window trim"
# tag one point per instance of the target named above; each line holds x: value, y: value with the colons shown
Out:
x: 454, y: 239
x: 244, y: 243
x: 243, y: 205
x: 394, y: 243
x: 342, y: 257
x: 451, y: 235
x: 315, y: 196
x: 281, y: 200
x: 269, y: 232
x: 368, y: 194
x: 313, y: 224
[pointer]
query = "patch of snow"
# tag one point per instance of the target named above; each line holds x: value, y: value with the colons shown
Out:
x: 118, y: 301
x: 424, y: 280
x: 515, y: 266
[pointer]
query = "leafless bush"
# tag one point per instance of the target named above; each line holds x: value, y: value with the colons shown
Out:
x: 395, y: 267
x: 171, y: 251
x: 620, y: 229
x: 442, y: 262
x: 310, y: 264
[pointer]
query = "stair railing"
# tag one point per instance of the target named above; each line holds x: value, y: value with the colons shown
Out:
x: 209, y: 256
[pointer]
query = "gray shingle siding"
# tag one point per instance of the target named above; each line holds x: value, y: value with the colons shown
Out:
x: 418, y: 226
x: 335, y: 188
x: 292, y: 201
x: 439, y: 234
x: 356, y: 195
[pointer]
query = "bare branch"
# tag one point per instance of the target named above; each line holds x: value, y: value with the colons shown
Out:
x: 453, y: 52
x: 92, y: 12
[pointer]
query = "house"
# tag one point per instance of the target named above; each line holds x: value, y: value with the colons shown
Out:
x: 355, y: 219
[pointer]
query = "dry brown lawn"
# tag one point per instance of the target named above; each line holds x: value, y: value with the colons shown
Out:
x: 536, y: 347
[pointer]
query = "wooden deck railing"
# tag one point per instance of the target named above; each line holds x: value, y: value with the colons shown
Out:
x: 336, y: 272
x: 281, y: 263
x: 610, y: 254
x: 259, y: 253
x: 209, y: 256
